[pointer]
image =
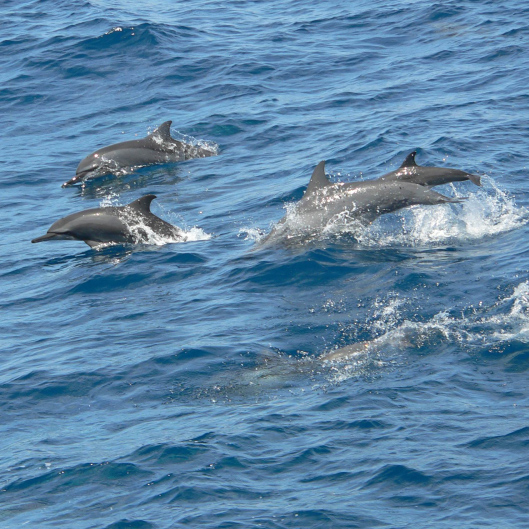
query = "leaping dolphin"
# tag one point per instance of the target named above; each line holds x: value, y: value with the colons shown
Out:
x: 409, y: 171
x: 363, y: 201
x: 132, y: 224
x: 156, y: 148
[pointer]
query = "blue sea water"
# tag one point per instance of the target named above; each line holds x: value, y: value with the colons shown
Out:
x: 181, y: 385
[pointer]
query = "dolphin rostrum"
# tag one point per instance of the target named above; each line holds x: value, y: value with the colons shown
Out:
x: 130, y: 224
x: 363, y: 201
x: 156, y: 148
x: 409, y: 171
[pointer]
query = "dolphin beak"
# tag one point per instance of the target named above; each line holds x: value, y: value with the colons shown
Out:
x: 77, y: 178
x: 46, y: 237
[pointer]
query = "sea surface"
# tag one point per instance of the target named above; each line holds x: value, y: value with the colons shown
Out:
x: 171, y: 385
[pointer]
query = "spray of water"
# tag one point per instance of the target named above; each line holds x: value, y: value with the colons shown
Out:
x: 491, y: 328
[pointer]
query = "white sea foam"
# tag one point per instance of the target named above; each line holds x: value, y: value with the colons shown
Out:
x: 145, y: 235
x: 117, y: 29
x: 251, y: 234
x: 486, y: 212
x: 111, y: 200
x: 194, y: 143
x: 513, y: 324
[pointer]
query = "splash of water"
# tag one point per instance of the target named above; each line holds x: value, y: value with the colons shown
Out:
x: 474, y: 328
x: 144, y: 234
x: 194, y: 145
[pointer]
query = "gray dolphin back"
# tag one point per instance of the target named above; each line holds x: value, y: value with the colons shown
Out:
x: 409, y: 171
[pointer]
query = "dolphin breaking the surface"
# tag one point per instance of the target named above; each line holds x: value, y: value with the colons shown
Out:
x: 409, y: 171
x: 130, y: 224
x: 158, y: 147
x: 363, y: 201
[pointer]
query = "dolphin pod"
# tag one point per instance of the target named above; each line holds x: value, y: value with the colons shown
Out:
x: 158, y: 147
x: 130, y: 224
x: 322, y: 201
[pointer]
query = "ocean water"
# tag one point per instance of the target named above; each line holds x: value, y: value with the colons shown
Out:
x: 174, y: 385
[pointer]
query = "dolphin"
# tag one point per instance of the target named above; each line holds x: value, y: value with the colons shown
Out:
x: 409, y: 171
x: 156, y: 148
x: 132, y: 224
x: 360, y: 351
x: 355, y: 351
x: 363, y: 201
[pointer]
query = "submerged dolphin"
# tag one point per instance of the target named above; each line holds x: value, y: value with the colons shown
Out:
x: 133, y: 224
x: 395, y: 339
x: 363, y: 201
x: 409, y: 171
x: 156, y: 148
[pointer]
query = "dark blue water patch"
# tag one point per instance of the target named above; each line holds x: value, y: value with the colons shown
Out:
x: 131, y: 524
x: 399, y: 475
x: 113, y: 282
x: 79, y: 476
x: 320, y: 518
x: 157, y: 379
x: 181, y: 269
x: 361, y: 425
x: 516, y: 440
x: 163, y: 455
x: 308, y: 267
x: 503, y: 54
x: 440, y: 11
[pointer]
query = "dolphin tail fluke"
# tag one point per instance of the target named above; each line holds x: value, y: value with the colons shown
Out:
x: 475, y: 179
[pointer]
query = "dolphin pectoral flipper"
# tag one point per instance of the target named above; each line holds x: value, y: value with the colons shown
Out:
x: 93, y: 244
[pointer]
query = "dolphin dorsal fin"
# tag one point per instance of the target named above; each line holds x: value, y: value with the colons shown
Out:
x: 318, y: 180
x: 143, y: 204
x: 163, y: 132
x: 409, y: 161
